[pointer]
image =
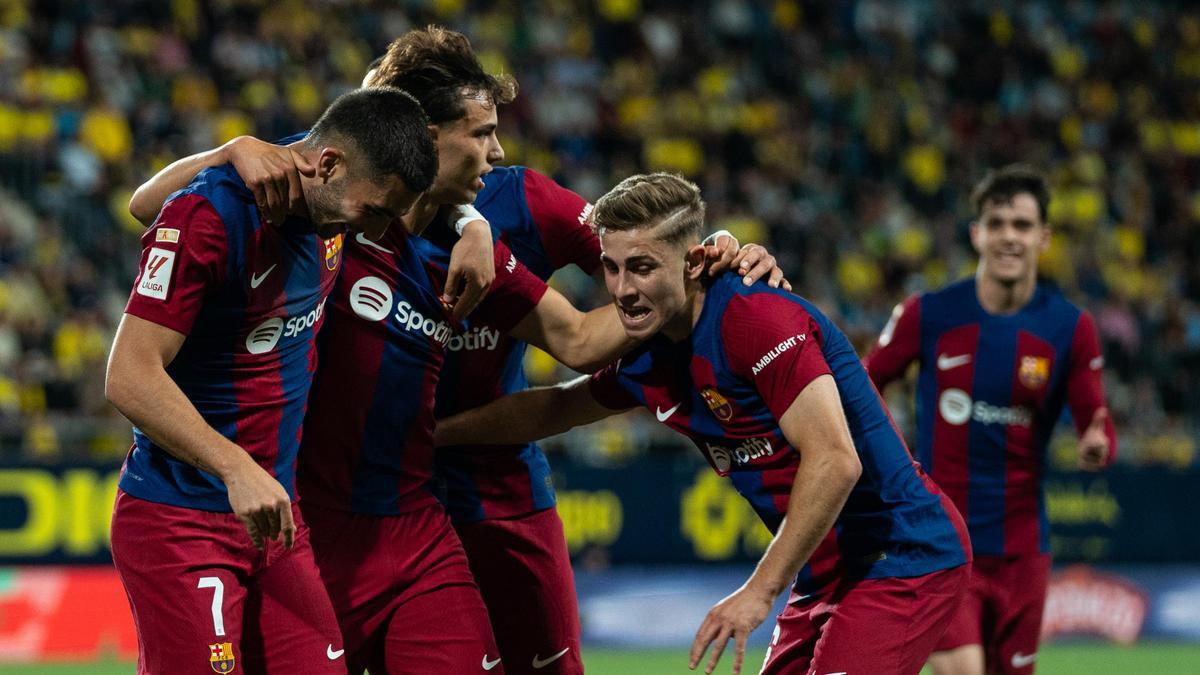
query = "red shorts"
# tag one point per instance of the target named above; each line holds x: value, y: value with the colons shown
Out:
x: 204, y: 599
x: 524, y: 572
x: 403, y: 592
x: 887, y: 625
x: 1002, y: 611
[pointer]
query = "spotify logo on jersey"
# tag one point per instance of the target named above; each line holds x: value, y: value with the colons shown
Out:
x: 371, y: 298
x: 955, y: 406
x: 265, y: 336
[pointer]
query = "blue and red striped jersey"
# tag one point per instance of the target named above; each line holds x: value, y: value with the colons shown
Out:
x: 989, y: 392
x: 250, y: 299
x: 368, y: 444
x: 548, y: 227
x: 751, y: 353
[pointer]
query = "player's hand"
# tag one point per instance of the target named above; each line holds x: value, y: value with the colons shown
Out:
x: 752, y: 262
x: 1093, y: 444
x: 472, y: 270
x: 272, y: 172
x: 262, y: 504
x: 734, y: 617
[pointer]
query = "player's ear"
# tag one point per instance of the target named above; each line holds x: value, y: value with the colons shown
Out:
x: 694, y: 262
x: 974, y: 230
x: 433, y: 132
x: 329, y: 163
x: 1044, y: 239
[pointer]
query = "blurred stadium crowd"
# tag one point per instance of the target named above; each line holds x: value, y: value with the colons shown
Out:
x: 845, y: 135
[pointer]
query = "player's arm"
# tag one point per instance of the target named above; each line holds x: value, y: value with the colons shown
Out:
x: 1085, y: 396
x: 898, y: 345
x: 272, y: 172
x: 525, y: 416
x: 583, y: 341
x: 138, y: 385
x: 471, y: 271
x: 814, y: 425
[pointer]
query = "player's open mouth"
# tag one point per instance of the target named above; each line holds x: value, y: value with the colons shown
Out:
x: 634, y: 314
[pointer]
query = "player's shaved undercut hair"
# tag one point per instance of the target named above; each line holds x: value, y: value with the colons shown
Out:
x: 387, y: 134
x: 1001, y: 185
x: 439, y: 68
x: 666, y: 202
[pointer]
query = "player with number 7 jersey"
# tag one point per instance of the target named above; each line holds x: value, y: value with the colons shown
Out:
x: 213, y: 362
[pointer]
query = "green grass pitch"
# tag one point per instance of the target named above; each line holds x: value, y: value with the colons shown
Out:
x: 1076, y: 659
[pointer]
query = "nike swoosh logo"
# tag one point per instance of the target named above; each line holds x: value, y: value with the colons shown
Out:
x: 488, y: 665
x: 362, y: 239
x: 947, y: 362
x: 663, y: 415
x: 1020, y: 660
x: 256, y: 279
x: 542, y: 663
x: 333, y: 654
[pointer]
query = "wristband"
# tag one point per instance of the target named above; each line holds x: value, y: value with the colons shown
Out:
x: 711, y: 240
x: 463, y: 214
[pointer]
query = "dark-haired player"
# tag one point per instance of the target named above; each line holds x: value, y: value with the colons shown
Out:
x: 1000, y: 354
x: 501, y: 501
x: 775, y: 398
x: 213, y: 362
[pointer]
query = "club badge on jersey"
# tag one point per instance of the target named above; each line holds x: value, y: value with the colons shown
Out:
x: 717, y: 403
x: 221, y: 658
x: 1034, y: 371
x: 333, y: 252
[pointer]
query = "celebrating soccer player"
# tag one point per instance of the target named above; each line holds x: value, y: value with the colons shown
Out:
x: 501, y: 500
x: 213, y: 362
x: 774, y: 397
x: 1000, y: 354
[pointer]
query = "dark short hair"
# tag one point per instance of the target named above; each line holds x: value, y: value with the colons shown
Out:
x: 438, y: 67
x: 1001, y: 185
x: 650, y: 200
x: 388, y: 129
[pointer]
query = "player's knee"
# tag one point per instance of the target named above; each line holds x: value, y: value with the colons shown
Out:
x: 964, y: 660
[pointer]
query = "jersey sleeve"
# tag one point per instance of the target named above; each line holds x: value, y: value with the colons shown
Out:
x: 607, y: 388
x: 564, y: 222
x: 513, y: 294
x: 776, y: 344
x: 1085, y: 384
x: 898, y: 345
x: 183, y: 259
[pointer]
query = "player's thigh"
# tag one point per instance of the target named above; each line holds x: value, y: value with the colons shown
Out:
x: 446, y: 630
x: 795, y: 636
x: 524, y: 574
x: 184, y: 584
x: 1019, y: 615
x: 965, y: 660
x: 889, y: 625
x: 966, y: 625
x: 290, y: 626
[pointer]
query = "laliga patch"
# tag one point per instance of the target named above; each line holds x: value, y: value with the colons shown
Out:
x: 156, y: 276
x: 221, y: 657
x: 167, y: 234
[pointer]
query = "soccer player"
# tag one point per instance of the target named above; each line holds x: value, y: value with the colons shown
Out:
x: 213, y: 362
x: 502, y: 503
x: 774, y: 397
x: 999, y: 353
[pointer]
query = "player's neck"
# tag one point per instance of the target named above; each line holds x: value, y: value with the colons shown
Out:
x: 1000, y: 298
x: 680, y: 326
x: 420, y: 215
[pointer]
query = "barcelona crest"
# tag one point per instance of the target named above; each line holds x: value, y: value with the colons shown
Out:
x: 1034, y: 371
x: 221, y: 659
x: 717, y: 403
x: 333, y: 252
